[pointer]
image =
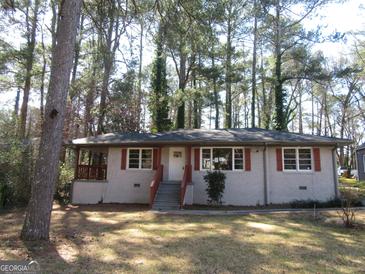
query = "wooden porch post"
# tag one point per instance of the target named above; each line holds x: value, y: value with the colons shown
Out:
x: 159, y: 155
x: 77, y: 163
x: 188, y: 162
x: 88, y: 166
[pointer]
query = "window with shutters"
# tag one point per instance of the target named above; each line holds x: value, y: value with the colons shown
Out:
x: 297, y: 159
x: 222, y: 158
x: 140, y: 158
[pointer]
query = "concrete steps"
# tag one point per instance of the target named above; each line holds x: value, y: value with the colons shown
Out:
x: 168, y: 196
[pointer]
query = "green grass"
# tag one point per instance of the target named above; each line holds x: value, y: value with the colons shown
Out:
x: 352, y: 182
x: 120, y: 239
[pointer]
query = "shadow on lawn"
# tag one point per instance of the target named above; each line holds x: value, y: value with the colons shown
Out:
x: 206, y: 244
x: 103, y: 239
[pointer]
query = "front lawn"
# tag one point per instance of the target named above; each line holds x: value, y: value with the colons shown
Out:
x: 120, y: 239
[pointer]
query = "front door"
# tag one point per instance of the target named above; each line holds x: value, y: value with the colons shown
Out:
x: 176, y: 163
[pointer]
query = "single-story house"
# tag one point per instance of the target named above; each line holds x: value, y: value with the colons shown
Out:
x: 166, y: 169
x: 360, y: 157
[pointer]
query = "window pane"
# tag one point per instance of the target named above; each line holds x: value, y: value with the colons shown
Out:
x: 238, y: 158
x: 147, y: 158
x: 133, y: 158
x: 290, y: 162
x: 222, y: 158
x: 305, y: 159
x: 206, y: 159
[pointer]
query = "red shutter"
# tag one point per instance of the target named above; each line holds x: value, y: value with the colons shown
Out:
x: 279, y: 159
x: 124, y: 159
x: 247, y: 159
x: 317, y: 159
x: 155, y: 158
x: 197, y: 159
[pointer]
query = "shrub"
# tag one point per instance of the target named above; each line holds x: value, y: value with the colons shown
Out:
x: 336, y: 202
x: 349, y: 199
x: 14, y: 176
x: 216, y: 184
x: 6, y: 191
x: 63, y: 189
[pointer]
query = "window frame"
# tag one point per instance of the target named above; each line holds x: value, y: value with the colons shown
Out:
x: 297, y: 169
x: 363, y: 162
x: 139, y: 158
x: 211, y: 159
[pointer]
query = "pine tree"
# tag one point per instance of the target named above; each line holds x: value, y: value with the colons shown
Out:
x: 159, y: 99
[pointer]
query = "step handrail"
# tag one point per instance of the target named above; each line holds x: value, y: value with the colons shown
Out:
x: 157, y: 178
x: 185, y: 181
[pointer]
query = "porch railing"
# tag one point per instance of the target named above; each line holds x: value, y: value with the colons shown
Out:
x: 91, y: 172
x: 184, y: 183
x: 155, y: 184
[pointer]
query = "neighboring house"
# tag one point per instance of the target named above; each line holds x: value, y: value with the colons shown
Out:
x: 360, y: 154
x: 166, y: 170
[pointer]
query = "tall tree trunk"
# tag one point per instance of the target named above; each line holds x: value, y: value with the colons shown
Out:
x: 44, y: 66
x: 215, y: 94
x: 111, y: 36
x: 38, y: 215
x: 300, y: 106
x: 312, y: 99
x: 254, y: 61
x: 265, y: 99
x: 89, y: 104
x: 139, y: 87
x: 280, y: 120
x: 182, y: 74
x: 196, y: 101
x: 31, y: 40
x: 54, y: 7
x: 16, y: 104
x: 228, y: 80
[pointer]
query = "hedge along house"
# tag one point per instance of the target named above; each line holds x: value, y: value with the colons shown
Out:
x: 360, y: 157
x: 166, y: 170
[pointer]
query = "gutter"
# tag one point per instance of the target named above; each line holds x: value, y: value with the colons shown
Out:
x: 334, y: 168
x: 265, y: 174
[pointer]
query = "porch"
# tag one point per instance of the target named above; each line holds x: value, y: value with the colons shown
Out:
x: 142, y: 175
x: 91, y: 164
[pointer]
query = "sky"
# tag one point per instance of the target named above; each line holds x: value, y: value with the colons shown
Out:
x: 346, y: 17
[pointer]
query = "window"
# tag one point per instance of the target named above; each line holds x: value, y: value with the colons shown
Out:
x: 238, y: 158
x: 363, y: 161
x: 222, y: 158
x: 140, y: 158
x: 206, y: 158
x: 297, y: 159
x: 305, y: 159
x: 290, y: 159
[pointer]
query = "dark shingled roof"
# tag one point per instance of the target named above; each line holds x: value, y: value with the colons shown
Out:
x: 247, y: 136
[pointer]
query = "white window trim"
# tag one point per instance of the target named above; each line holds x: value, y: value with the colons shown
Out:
x: 211, y: 159
x: 140, y: 158
x: 297, y: 160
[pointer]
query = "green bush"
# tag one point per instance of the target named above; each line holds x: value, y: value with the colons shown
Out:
x: 336, y: 202
x: 216, y: 184
x: 6, y: 191
x: 14, y: 176
x: 63, y: 189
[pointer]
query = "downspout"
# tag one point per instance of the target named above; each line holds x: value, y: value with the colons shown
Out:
x: 334, y: 168
x: 265, y: 175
